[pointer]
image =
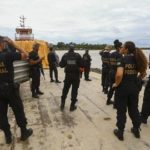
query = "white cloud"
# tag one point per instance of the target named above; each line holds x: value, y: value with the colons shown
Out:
x: 93, y: 21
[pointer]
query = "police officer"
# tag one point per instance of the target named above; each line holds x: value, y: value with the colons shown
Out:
x: 35, y: 66
x: 72, y: 62
x: 86, y: 63
x: 145, y: 112
x: 133, y: 62
x: 102, y: 83
x: 114, y: 58
x: 9, y: 91
x: 105, y: 55
x: 53, y: 64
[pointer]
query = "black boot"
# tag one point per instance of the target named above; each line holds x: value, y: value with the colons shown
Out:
x: 114, y: 105
x: 88, y: 79
x: 8, y: 136
x: 39, y: 92
x: 109, y: 102
x: 103, y: 89
x: 143, y: 119
x: 72, y: 106
x: 25, y: 133
x: 34, y: 95
x: 57, y: 81
x: 52, y: 80
x: 119, y: 134
x: 135, y: 132
x: 62, y: 106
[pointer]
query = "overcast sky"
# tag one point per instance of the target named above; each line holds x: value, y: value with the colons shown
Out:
x: 92, y: 21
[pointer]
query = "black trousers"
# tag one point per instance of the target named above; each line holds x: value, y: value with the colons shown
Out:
x: 9, y: 95
x: 53, y: 68
x: 145, y: 113
x: 105, y: 79
x: 127, y: 99
x: 86, y: 72
x: 35, y: 84
x: 111, y: 82
x: 69, y: 81
x: 111, y: 89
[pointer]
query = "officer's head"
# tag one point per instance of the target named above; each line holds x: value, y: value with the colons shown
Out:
x: 108, y: 48
x: 117, y: 44
x: 71, y: 47
x: 129, y: 47
x: 50, y: 47
x: 87, y: 51
x: 36, y: 46
x: 140, y: 58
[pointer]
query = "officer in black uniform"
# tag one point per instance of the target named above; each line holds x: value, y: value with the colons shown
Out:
x: 127, y: 90
x: 105, y: 55
x: 114, y: 58
x: 72, y: 62
x: 53, y: 64
x: 102, y: 83
x: 86, y: 63
x: 9, y: 94
x: 35, y: 66
x: 145, y: 112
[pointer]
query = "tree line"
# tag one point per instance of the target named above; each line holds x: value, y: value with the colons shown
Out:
x: 80, y: 46
x: 83, y: 46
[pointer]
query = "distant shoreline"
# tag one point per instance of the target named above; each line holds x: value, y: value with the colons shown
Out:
x: 93, y: 49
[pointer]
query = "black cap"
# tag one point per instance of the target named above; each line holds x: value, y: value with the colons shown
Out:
x: 36, y: 45
x: 117, y: 43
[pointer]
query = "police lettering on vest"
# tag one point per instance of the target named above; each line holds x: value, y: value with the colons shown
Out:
x: 71, y: 62
x: 71, y: 66
x: 6, y: 66
x: 130, y: 69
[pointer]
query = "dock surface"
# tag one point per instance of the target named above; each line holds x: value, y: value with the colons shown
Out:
x: 90, y: 127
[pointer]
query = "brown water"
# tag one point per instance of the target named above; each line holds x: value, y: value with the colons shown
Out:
x: 96, y: 59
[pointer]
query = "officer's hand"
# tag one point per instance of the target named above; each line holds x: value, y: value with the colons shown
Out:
x: 24, y: 56
x: 114, y: 85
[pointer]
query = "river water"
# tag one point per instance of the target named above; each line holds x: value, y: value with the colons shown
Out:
x: 96, y: 59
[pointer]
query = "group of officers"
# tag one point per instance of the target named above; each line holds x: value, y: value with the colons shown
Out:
x: 9, y: 90
x: 123, y: 71
x: 123, y: 66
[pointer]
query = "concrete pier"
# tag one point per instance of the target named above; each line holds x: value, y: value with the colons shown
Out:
x: 90, y: 127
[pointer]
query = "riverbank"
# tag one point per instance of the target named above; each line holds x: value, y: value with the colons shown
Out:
x: 96, y: 58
